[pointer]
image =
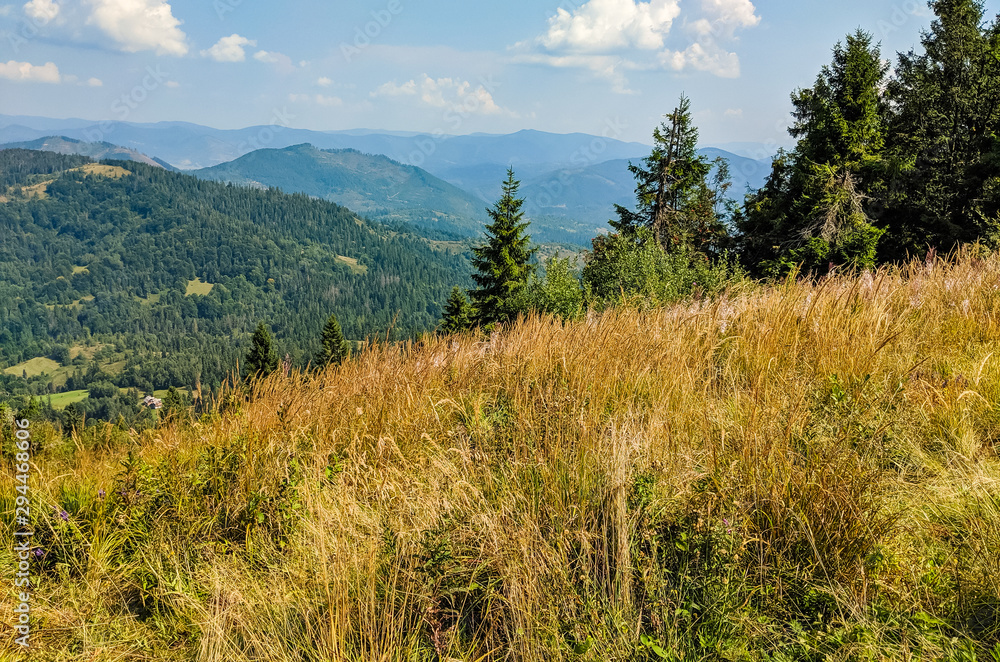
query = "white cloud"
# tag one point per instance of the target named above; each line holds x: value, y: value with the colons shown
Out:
x: 447, y: 93
x: 6, y: 10
x: 603, y: 25
x: 41, y: 10
x: 25, y: 71
x: 733, y: 13
x: 323, y: 81
x: 709, y: 58
x: 172, y: 84
x: 229, y: 49
x: 734, y: 112
x: 611, y: 37
x: 95, y: 82
x: 390, y: 89
x: 139, y: 25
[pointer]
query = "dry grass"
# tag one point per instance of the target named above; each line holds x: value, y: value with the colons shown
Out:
x: 799, y: 472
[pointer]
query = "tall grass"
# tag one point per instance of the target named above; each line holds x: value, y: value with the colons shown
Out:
x: 799, y: 472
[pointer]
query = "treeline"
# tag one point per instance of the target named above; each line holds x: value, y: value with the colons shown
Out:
x: 884, y: 168
x: 887, y: 165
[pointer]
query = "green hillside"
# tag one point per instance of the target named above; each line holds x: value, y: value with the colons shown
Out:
x: 369, y: 184
x: 171, y: 273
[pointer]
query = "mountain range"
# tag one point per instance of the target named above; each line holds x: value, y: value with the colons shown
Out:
x: 570, y: 182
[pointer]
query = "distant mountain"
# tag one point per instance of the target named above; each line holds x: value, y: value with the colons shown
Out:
x: 571, y: 181
x: 374, y: 185
x: 191, y: 146
x: 752, y: 150
x: 97, y: 151
x: 588, y: 195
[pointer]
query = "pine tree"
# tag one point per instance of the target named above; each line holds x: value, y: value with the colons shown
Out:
x: 334, y: 346
x: 818, y: 204
x: 458, y: 313
x: 947, y: 116
x: 675, y: 201
x: 262, y: 358
x: 503, y: 262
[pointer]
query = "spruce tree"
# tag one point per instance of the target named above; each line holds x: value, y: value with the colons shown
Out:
x: 458, y: 313
x: 503, y: 262
x: 944, y: 134
x: 262, y: 359
x: 820, y: 203
x: 674, y: 199
x: 334, y: 346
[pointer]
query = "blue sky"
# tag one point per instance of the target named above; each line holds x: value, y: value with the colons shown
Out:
x: 611, y: 67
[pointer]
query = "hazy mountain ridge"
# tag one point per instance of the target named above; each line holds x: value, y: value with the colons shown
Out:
x: 571, y: 182
x: 95, y: 150
x: 191, y: 146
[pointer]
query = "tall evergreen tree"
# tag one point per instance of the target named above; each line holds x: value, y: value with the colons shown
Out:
x: 945, y: 128
x: 675, y: 237
x: 503, y: 262
x: 458, y: 313
x: 819, y: 203
x: 333, y: 347
x: 675, y: 201
x: 262, y: 359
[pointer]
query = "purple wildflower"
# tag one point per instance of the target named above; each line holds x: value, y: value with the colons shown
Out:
x: 100, y: 493
x: 64, y: 515
x: 39, y: 553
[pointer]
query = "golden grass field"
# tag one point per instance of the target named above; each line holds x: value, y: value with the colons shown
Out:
x: 792, y: 472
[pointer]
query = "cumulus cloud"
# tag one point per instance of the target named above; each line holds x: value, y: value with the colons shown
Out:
x: 139, y: 25
x: 611, y: 37
x: 445, y: 93
x: 27, y: 72
x: 602, y: 25
x: 41, y: 10
x: 708, y: 58
x: 323, y: 81
x: 731, y: 13
x: 229, y: 49
x: 734, y: 112
x: 95, y: 82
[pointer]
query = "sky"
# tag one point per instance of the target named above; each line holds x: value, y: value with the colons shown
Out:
x: 606, y: 67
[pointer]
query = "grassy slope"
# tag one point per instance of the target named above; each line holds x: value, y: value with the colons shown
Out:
x: 792, y: 473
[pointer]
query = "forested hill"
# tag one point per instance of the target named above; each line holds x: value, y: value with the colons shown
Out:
x: 370, y: 184
x: 174, y: 272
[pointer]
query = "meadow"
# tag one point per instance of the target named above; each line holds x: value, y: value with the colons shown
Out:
x: 802, y: 471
